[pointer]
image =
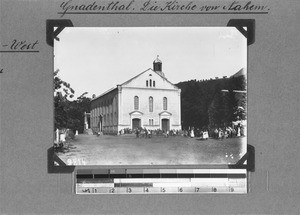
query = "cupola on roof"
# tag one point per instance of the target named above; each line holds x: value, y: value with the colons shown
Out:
x: 157, y: 66
x: 157, y: 60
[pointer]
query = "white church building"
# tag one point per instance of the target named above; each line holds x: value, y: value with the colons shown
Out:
x: 147, y: 100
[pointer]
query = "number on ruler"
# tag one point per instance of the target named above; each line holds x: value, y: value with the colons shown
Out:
x: 197, y: 189
x: 129, y: 190
x: 214, y: 189
x: 146, y: 189
x: 1, y: 70
x: 180, y: 189
x: 163, y: 189
x: 231, y: 189
x: 112, y: 190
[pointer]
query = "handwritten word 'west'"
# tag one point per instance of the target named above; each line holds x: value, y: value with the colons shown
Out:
x: 22, y: 45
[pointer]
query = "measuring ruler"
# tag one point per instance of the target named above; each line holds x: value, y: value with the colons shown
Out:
x: 160, y: 181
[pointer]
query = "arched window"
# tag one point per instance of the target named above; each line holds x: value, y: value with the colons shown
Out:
x: 147, y: 83
x: 150, y: 104
x: 153, y: 83
x: 136, y: 103
x: 165, y: 103
x: 150, y: 83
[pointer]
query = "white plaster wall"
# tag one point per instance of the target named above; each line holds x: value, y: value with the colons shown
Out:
x: 127, y: 106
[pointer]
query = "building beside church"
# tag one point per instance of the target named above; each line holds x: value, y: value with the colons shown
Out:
x: 147, y: 100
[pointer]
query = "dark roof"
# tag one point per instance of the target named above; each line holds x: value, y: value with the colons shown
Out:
x: 239, y: 73
x: 108, y: 91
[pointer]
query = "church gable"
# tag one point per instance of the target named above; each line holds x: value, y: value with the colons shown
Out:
x: 149, y: 79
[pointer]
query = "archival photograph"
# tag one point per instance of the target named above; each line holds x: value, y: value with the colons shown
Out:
x: 150, y: 96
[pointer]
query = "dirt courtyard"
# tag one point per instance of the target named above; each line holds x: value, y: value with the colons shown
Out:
x: 129, y: 150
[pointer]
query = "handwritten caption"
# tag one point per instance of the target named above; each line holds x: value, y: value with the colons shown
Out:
x: 20, y: 45
x: 153, y: 6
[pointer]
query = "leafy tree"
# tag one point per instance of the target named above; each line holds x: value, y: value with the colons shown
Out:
x: 203, y: 104
x: 217, y: 110
x: 62, y: 87
x: 76, y: 112
x: 230, y: 106
x: 62, y: 91
x: 67, y: 113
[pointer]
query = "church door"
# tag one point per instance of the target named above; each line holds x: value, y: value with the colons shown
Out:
x: 165, y: 124
x: 136, y: 123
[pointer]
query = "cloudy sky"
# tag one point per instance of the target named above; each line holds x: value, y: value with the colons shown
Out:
x: 94, y: 60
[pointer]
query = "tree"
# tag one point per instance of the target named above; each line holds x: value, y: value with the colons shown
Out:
x: 216, y: 111
x: 230, y: 106
x: 203, y: 104
x: 67, y: 113
x: 62, y: 91
x: 62, y: 87
x: 76, y: 113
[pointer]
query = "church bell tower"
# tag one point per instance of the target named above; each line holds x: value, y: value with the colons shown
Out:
x: 157, y: 66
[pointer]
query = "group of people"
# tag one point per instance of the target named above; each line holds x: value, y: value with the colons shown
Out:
x: 229, y: 132
x: 125, y: 131
x: 195, y: 132
x: 205, y: 133
x: 147, y: 133
x: 216, y: 133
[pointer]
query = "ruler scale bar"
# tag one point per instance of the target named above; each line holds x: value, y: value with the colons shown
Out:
x: 160, y: 181
x: 163, y: 176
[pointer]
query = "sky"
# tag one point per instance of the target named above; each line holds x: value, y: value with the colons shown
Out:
x: 95, y: 60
